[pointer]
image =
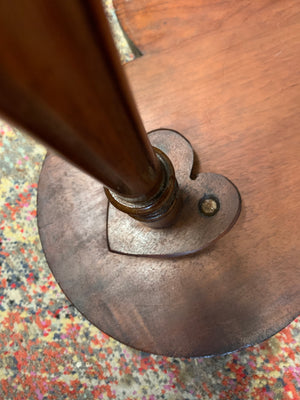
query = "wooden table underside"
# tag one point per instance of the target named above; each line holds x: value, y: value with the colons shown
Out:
x: 225, y: 75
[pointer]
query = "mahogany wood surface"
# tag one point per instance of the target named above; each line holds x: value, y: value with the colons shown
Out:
x: 226, y: 75
x: 61, y: 79
x: 214, y: 302
x: 193, y: 230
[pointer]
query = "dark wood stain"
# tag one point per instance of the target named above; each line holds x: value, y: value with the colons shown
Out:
x: 61, y: 79
x: 223, y: 73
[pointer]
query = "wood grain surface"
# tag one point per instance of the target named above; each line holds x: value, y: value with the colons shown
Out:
x: 226, y: 75
x: 220, y: 300
x: 192, y: 230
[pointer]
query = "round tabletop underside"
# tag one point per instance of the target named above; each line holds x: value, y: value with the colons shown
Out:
x: 227, y: 78
x: 213, y: 302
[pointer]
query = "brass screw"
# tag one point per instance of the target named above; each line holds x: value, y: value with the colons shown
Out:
x: 209, y: 205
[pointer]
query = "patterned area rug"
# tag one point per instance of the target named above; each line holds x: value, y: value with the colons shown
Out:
x: 50, y: 351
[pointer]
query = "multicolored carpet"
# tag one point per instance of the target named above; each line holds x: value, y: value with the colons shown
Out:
x: 50, y: 351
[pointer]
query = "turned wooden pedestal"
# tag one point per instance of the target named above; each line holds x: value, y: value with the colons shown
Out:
x: 223, y: 74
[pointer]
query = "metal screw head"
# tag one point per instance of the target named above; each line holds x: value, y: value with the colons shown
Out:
x: 209, y: 205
